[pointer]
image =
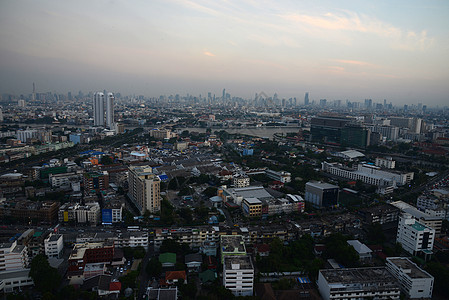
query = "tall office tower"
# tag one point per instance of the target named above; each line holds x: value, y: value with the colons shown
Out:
x: 306, y: 99
x: 224, y: 95
x: 34, y: 93
x: 99, y: 109
x: 110, y: 111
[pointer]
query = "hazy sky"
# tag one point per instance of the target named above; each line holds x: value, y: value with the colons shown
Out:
x: 398, y: 50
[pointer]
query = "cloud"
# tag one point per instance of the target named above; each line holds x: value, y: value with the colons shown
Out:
x: 207, y: 53
x: 355, y: 62
x: 347, y: 21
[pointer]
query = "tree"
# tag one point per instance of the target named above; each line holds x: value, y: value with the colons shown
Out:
x: 210, y: 191
x: 46, y: 278
x: 154, y: 267
x: 376, y: 234
x: 139, y: 252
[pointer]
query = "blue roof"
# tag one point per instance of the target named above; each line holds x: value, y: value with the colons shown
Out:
x: 87, y: 152
x: 163, y: 177
x: 304, y: 280
x: 98, y: 153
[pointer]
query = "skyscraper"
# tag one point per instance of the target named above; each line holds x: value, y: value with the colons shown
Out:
x: 98, y: 109
x: 110, y: 111
x: 306, y: 99
x: 224, y: 95
x: 34, y: 93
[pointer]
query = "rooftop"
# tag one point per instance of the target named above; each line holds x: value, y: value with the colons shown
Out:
x: 232, y: 243
x: 241, y: 262
x: 359, y: 275
x: 412, y: 270
x: 321, y: 185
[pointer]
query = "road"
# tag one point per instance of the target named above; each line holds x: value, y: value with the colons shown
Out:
x: 143, y: 277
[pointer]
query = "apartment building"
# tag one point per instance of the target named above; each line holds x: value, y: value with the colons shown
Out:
x: 54, y: 245
x: 414, y: 236
x: 144, y: 189
x: 357, y: 283
x: 415, y: 283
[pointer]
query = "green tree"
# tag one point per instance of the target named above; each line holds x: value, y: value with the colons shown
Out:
x: 210, y: 191
x: 154, y: 267
x: 46, y: 278
x: 139, y: 252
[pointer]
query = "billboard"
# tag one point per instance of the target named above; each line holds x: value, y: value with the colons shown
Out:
x: 66, y: 216
x: 106, y: 216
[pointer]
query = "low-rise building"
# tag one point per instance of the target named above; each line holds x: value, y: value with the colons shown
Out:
x: 357, y: 283
x: 54, y: 245
x: 362, y: 250
x: 414, y: 281
x: 387, y: 162
x: 252, y: 207
x: 321, y: 194
x: 281, y: 176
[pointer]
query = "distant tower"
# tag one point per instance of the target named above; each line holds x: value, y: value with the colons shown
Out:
x: 224, y: 95
x: 34, y: 93
x: 110, y: 111
x: 99, y: 109
x: 306, y: 99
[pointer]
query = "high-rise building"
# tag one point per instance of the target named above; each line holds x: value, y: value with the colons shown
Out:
x: 224, y: 95
x: 110, y: 111
x: 144, y: 189
x: 98, y: 109
x: 306, y: 99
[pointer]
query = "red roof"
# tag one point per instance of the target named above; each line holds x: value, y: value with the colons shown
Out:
x: 172, y: 275
x: 263, y: 248
x: 115, y: 286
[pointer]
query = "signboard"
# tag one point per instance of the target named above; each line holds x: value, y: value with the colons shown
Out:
x: 106, y: 215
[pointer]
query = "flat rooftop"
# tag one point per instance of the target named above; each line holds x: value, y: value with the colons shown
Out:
x: 240, y: 262
x: 232, y: 243
x: 359, y: 276
x: 321, y: 185
x: 408, y: 267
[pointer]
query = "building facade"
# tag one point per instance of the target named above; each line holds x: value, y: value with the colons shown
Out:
x: 357, y: 283
x: 414, y: 236
x: 321, y: 194
x: 415, y: 283
x: 144, y: 189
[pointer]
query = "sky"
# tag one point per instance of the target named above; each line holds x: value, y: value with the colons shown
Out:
x: 347, y: 49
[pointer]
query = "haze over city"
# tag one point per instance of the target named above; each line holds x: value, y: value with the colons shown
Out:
x: 335, y: 50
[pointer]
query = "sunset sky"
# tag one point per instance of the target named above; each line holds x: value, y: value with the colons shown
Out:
x: 394, y: 50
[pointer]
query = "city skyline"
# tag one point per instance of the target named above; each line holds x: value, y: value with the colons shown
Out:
x: 351, y: 50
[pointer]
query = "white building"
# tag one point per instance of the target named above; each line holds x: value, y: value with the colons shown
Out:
x: 98, y: 107
x: 388, y: 162
x: 110, y: 110
x: 362, y: 250
x: 414, y: 236
x: 63, y: 179
x: 13, y: 267
x: 144, y: 189
x: 238, y: 274
x: 54, y: 245
x: 369, y: 174
x: 414, y: 281
x: 24, y: 135
x: 281, y: 176
x: 435, y: 222
x: 358, y: 283
x: 241, y: 180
